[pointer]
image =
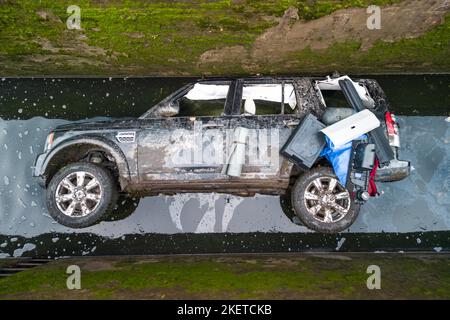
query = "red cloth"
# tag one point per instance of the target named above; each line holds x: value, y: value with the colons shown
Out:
x: 372, y: 186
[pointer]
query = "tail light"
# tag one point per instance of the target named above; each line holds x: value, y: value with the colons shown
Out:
x: 390, y: 124
x: 392, y: 130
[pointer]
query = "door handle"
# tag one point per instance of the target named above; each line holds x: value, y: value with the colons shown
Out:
x: 213, y: 125
x: 291, y: 123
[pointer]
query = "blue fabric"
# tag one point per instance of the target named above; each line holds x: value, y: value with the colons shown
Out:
x: 339, y: 157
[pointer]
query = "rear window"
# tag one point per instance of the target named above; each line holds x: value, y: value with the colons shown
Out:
x: 267, y: 98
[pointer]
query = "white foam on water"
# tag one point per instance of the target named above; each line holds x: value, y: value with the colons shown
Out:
x: 27, y: 247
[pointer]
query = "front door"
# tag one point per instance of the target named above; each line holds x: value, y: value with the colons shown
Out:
x: 188, y: 146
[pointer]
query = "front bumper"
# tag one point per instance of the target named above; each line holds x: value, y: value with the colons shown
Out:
x: 38, y: 170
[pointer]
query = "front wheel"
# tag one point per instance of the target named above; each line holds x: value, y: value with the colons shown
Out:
x: 81, y: 194
x: 322, y: 203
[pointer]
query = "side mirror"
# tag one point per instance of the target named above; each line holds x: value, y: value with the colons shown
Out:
x: 169, y: 110
x: 249, y: 107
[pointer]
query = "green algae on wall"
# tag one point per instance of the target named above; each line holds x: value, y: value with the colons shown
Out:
x: 168, y: 38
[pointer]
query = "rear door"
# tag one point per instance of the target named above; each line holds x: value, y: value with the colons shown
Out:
x: 275, y: 117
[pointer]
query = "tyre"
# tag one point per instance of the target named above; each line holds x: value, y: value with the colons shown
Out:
x: 322, y: 203
x: 286, y: 205
x: 81, y: 194
x: 288, y: 210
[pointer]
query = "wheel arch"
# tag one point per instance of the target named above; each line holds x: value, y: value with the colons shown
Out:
x: 78, y: 148
x: 294, y: 171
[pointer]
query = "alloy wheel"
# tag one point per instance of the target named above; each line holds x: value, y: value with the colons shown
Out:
x: 327, y: 200
x: 78, y: 194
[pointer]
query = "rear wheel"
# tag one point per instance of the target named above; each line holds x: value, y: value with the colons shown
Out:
x: 81, y: 194
x: 286, y: 207
x: 322, y: 203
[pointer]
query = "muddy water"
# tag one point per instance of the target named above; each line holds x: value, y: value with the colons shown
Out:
x: 81, y: 98
x: 411, y: 215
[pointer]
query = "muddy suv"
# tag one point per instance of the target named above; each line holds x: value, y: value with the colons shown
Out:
x: 216, y: 135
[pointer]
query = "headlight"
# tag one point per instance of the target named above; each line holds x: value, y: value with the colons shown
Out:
x: 49, y: 141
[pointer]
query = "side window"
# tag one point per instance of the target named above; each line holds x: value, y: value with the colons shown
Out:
x: 334, y: 99
x: 265, y: 99
x: 203, y: 100
x: 331, y: 93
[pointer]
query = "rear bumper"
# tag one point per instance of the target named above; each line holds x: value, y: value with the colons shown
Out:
x: 396, y: 170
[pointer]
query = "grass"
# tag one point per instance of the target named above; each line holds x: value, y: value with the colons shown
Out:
x: 166, y: 34
x: 237, y: 277
x: 308, y: 10
x: 168, y: 37
x: 429, y: 52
